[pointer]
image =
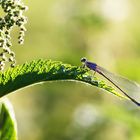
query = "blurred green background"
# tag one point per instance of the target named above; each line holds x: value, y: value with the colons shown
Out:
x: 106, y: 32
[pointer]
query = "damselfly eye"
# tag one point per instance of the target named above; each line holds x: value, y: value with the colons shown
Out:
x: 83, y: 59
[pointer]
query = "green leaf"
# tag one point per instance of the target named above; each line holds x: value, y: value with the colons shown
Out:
x: 8, y: 127
x: 46, y: 70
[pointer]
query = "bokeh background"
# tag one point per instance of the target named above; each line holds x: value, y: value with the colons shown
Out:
x: 106, y: 32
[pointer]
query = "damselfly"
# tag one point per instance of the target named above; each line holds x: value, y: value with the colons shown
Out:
x: 129, y: 88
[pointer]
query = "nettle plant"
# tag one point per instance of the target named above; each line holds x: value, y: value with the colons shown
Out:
x: 15, y: 77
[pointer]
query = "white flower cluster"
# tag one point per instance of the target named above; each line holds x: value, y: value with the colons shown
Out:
x: 13, y: 10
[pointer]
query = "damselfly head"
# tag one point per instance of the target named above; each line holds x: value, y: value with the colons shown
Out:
x: 83, y: 59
